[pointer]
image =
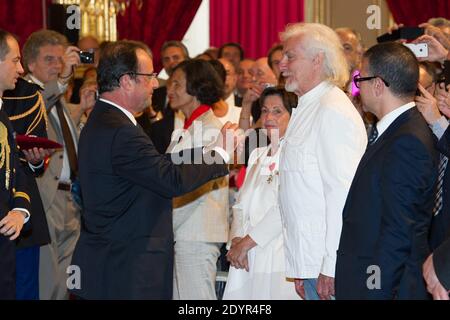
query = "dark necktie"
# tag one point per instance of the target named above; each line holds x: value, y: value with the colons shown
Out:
x: 438, y: 200
x: 373, y: 135
x: 68, y: 141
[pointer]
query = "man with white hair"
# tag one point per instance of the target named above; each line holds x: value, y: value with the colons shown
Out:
x: 323, y: 145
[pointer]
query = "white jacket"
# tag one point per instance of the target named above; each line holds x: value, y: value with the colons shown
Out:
x: 323, y: 145
x: 203, y: 214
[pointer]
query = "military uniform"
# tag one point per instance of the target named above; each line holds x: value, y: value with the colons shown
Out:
x: 13, y: 194
x: 26, y: 110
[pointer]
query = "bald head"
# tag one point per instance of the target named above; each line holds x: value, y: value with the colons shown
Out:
x: 353, y: 49
x: 263, y: 73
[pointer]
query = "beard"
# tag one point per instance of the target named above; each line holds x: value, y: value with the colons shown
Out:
x: 290, y: 86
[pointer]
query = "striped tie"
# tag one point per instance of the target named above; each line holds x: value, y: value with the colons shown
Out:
x: 440, y: 185
x: 373, y: 135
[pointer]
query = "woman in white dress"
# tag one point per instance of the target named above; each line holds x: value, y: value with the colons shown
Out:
x: 256, y: 255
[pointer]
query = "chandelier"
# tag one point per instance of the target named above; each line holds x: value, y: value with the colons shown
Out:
x: 98, y: 17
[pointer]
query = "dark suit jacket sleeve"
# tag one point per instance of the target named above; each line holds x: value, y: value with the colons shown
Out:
x: 405, y: 178
x: 135, y: 157
x: 21, y: 195
x: 441, y: 261
x: 444, y: 143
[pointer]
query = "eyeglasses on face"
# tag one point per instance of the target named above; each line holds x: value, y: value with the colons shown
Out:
x: 357, y: 79
x: 150, y: 76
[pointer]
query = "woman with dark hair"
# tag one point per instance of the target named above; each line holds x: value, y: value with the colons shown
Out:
x: 200, y: 218
x: 257, y: 254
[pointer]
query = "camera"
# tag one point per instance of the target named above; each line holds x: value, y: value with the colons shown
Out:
x: 420, y: 50
x: 87, y: 57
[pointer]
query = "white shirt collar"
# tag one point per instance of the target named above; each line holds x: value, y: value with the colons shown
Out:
x: 36, y: 81
x: 388, y: 119
x: 315, y: 92
x: 127, y: 113
x: 1, y: 103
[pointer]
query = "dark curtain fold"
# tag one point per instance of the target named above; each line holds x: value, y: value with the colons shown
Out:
x: 255, y: 24
x: 413, y: 12
x: 22, y: 17
x: 156, y: 22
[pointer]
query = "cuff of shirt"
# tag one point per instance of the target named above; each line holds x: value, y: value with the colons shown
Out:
x: 439, y: 127
x: 328, y: 266
x: 34, y: 168
x: 27, y: 213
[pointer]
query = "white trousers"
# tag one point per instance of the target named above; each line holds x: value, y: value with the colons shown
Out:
x: 195, y: 270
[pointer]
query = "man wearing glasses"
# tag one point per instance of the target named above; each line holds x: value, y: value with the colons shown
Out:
x: 126, y: 245
x: 387, y: 215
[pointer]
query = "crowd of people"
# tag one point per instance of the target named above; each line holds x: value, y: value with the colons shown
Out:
x: 319, y: 171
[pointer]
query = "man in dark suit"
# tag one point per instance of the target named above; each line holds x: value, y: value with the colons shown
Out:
x: 125, y: 250
x: 387, y: 215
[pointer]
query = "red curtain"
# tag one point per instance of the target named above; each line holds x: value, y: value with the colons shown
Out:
x: 156, y: 22
x: 255, y: 24
x: 22, y: 17
x: 413, y: 12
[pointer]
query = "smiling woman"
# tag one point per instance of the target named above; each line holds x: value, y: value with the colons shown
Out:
x: 256, y: 255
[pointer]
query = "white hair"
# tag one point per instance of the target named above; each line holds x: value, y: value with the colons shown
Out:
x: 320, y: 38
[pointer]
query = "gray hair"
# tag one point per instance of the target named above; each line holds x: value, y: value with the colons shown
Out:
x: 439, y: 22
x: 40, y: 39
x: 320, y: 38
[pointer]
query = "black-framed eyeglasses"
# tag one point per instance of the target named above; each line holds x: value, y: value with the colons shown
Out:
x: 357, y: 79
x: 150, y: 76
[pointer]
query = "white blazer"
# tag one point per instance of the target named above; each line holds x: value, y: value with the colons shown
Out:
x: 203, y: 214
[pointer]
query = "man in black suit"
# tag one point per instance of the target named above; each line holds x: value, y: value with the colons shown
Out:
x: 387, y: 215
x: 125, y: 250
